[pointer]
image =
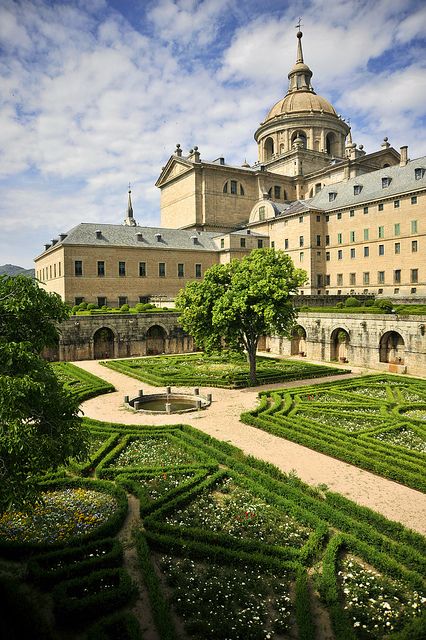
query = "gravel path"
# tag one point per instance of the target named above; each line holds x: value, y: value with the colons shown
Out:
x: 221, y: 421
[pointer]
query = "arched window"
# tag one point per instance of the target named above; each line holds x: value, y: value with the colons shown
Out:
x: 268, y: 148
x: 302, y: 136
x: 331, y: 144
x: 233, y: 187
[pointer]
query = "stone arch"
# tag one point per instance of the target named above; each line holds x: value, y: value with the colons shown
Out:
x: 339, y: 344
x: 298, y: 341
x: 331, y: 144
x: 103, y: 343
x: 268, y: 148
x: 156, y: 339
x: 392, y: 348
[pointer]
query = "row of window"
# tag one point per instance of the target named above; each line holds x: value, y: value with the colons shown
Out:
x: 102, y: 301
x: 419, y: 172
x: 52, y: 271
x: 380, y: 207
x: 366, y: 279
x: 233, y: 187
x: 352, y: 235
x: 78, y: 269
x: 381, y: 250
x: 242, y: 243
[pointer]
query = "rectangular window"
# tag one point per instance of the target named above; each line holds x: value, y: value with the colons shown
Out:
x: 366, y: 277
x: 332, y: 196
x: 122, y: 300
x: 366, y: 232
x: 352, y: 253
x: 352, y: 278
x: 381, y: 249
x: 300, y: 218
x: 277, y: 192
x: 397, y: 276
x: 351, y: 213
x: 327, y: 255
x: 327, y: 280
x: 327, y: 217
x: 285, y: 243
x: 301, y: 256
x: 54, y: 270
x: 339, y: 279
x: 78, y: 267
x: 318, y: 241
x: 380, y: 277
x: 272, y: 244
x: 366, y: 252
x: 339, y: 254
x: 301, y: 241
x: 414, y: 275
x: 260, y: 244
x: 352, y: 236
x: 261, y: 213
x: 397, y: 247
x: 102, y: 301
x: 142, y: 269
x: 385, y: 182
x: 381, y: 232
x: 357, y: 189
x: 365, y: 209
x: 222, y: 243
x: 319, y: 279
x: 339, y: 238
x: 380, y: 207
x: 339, y: 215
x: 101, y: 268
x: 198, y: 270
x: 397, y: 229
x: 162, y: 269
x: 180, y: 270
x: 413, y: 199
x: 413, y: 246
x: 122, y: 269
x: 59, y: 267
x: 78, y: 300
x: 50, y: 271
x: 234, y: 187
x: 396, y: 204
x: 413, y: 226
x: 242, y: 243
x: 318, y: 218
x: 327, y: 240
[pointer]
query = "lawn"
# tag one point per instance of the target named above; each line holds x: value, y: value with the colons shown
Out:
x: 227, y: 546
x: 222, y: 370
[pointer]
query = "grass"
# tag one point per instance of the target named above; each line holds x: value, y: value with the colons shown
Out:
x: 222, y: 370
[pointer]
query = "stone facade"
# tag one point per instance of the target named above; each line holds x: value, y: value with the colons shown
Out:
x: 385, y: 342
x: 120, y: 336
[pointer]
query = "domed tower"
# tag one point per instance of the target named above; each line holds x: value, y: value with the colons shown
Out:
x: 301, y: 120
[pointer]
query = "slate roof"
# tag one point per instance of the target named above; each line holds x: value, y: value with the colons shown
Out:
x: 402, y: 180
x: 125, y: 236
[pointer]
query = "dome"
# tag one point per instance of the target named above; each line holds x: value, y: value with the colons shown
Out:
x: 301, y: 102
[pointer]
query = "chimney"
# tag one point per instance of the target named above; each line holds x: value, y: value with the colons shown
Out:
x: 62, y: 236
x: 98, y: 234
x: 194, y: 239
x: 47, y: 246
x: 404, y: 156
x: 54, y: 241
x: 139, y: 235
x: 158, y: 236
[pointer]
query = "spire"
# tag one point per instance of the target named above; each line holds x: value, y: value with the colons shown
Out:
x: 300, y: 75
x: 130, y: 221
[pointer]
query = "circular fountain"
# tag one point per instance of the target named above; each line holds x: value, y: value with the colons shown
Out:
x: 168, y: 402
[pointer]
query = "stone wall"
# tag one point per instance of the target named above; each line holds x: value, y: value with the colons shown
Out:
x: 372, y: 341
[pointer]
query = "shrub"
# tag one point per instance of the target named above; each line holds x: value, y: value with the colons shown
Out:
x: 91, y: 306
x: 82, y: 306
x: 352, y: 302
x: 124, y: 308
x: 340, y: 305
x: 369, y: 302
x: 385, y: 304
x: 75, y: 309
x: 140, y: 307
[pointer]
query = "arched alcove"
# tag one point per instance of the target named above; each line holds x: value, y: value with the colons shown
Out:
x: 302, y: 136
x: 103, y: 343
x: 268, y: 148
x: 392, y: 348
x: 339, y: 343
x: 155, y: 340
x: 331, y: 144
x: 298, y: 341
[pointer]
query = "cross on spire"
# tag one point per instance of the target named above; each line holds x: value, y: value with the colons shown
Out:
x: 299, y: 24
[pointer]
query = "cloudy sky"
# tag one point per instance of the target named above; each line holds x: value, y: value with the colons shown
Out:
x: 94, y: 94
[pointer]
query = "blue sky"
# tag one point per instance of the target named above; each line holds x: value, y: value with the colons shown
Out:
x: 94, y: 94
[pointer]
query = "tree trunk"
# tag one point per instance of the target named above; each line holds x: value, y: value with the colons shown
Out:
x: 251, y: 357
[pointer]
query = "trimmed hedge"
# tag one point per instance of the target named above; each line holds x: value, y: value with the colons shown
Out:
x: 119, y: 626
x: 73, y: 607
x: 80, y: 383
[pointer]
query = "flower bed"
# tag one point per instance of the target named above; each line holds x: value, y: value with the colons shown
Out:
x: 226, y: 370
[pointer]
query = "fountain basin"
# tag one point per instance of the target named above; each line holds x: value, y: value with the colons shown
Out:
x: 168, y: 402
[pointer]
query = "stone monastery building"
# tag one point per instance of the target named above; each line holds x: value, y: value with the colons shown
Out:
x: 356, y: 222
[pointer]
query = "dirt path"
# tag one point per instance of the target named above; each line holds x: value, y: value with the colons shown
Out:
x: 221, y: 421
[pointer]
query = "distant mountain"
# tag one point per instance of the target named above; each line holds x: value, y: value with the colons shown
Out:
x: 13, y: 270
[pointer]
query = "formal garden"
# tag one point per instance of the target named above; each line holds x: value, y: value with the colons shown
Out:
x: 227, y: 370
x: 222, y: 545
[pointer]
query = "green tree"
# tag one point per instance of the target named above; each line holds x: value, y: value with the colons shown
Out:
x: 39, y: 424
x: 239, y: 302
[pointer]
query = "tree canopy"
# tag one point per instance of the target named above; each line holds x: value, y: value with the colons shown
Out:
x: 237, y: 303
x: 39, y: 424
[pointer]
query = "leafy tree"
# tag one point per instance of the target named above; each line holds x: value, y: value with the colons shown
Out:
x: 239, y: 302
x: 39, y: 424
